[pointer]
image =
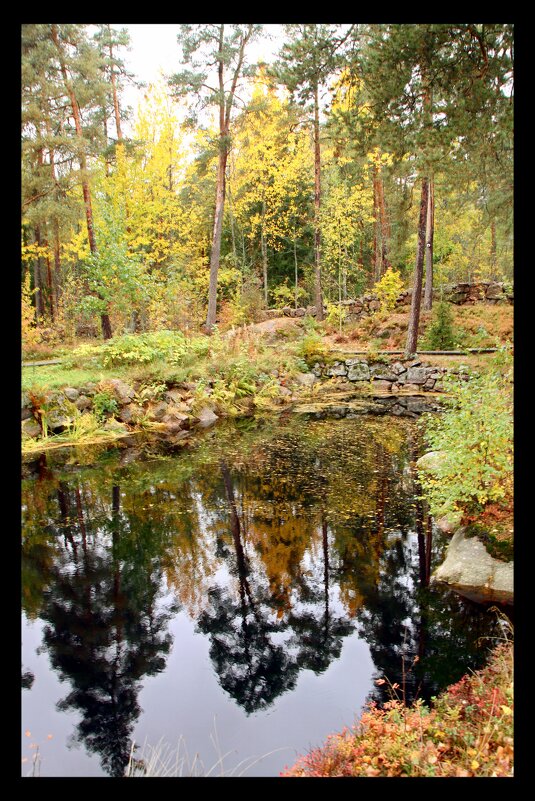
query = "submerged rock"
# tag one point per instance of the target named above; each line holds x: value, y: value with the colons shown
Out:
x: 471, y: 571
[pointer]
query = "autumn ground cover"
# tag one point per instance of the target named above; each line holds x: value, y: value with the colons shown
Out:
x: 467, y: 731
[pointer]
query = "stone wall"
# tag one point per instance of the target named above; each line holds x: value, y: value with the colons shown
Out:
x: 459, y: 294
x: 409, y: 375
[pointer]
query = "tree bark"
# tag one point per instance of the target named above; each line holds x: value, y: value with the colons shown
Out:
x: 225, y: 108
x: 377, y: 250
x: 317, y: 207
x: 37, y: 279
x: 114, y: 92
x: 412, y: 334
x: 264, y: 255
x: 385, y: 228
x: 104, y: 317
x: 429, y: 234
x: 493, y: 250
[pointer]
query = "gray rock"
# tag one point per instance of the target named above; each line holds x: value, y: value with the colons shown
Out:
x: 306, y: 379
x: 25, y: 413
x: 130, y: 413
x: 115, y: 426
x: 338, y: 368
x: 57, y: 421
x: 429, y: 384
x: 317, y: 370
x: 417, y: 375
x: 83, y: 402
x: 157, y: 411
x: 124, y: 393
x: 398, y: 368
x: 473, y: 572
x: 71, y: 393
x: 207, y: 417
x: 430, y: 462
x: 30, y: 428
x: 358, y: 371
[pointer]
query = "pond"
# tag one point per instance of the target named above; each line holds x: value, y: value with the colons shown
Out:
x: 231, y: 601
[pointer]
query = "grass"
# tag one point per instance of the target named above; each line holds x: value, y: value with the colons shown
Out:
x: 467, y: 732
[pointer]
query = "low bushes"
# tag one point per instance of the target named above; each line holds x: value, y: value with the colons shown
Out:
x: 467, y: 732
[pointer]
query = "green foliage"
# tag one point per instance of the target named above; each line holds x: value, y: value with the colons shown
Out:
x: 475, y: 433
x: 336, y: 315
x: 440, y: 334
x: 104, y: 405
x: 284, y: 295
x: 172, y: 346
x: 311, y: 349
x: 388, y: 289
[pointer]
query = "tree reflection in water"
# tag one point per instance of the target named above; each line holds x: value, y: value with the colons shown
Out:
x: 278, y: 543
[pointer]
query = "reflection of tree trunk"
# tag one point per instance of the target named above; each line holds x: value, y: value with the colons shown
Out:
x: 241, y: 559
x: 115, y: 510
x: 64, y: 508
x: 81, y: 523
x: 325, y: 544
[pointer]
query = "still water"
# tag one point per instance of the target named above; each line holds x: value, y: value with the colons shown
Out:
x: 232, y: 601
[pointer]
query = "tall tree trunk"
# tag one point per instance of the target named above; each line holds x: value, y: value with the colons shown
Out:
x: 216, y: 238
x: 385, y: 228
x: 412, y: 334
x: 114, y: 93
x: 38, y: 278
x: 317, y: 207
x: 264, y: 255
x: 493, y: 250
x: 104, y: 317
x: 49, y: 282
x: 429, y: 234
x: 377, y: 249
x: 295, y: 266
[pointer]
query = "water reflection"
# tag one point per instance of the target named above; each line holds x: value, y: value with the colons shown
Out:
x: 279, y: 543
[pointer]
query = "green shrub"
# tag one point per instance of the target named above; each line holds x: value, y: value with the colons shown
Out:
x: 311, y: 349
x: 476, y: 435
x: 440, y: 334
x: 104, y: 404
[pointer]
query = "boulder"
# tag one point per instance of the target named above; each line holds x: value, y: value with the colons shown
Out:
x: 71, y: 393
x: 417, y: 375
x: 306, y: 379
x: 123, y: 392
x: 207, y: 417
x: 83, y: 402
x: 156, y: 411
x: 30, y: 428
x: 338, y: 368
x: 358, y: 371
x: 431, y: 461
x: 26, y: 413
x: 57, y: 421
x: 115, y: 426
x: 470, y: 570
x: 381, y: 385
x: 130, y: 413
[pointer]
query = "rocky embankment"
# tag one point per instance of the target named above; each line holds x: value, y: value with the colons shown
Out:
x: 461, y: 294
x: 468, y: 568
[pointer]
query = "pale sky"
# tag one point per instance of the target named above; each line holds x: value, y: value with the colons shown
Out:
x: 154, y: 47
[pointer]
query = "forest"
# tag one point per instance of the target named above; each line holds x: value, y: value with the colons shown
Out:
x: 267, y: 305
x: 360, y: 151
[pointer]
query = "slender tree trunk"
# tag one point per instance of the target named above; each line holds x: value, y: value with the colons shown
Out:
x: 317, y: 207
x: 429, y: 234
x: 377, y: 249
x: 114, y: 93
x: 295, y: 265
x: 104, y: 317
x: 412, y: 334
x: 216, y: 239
x: 38, y: 278
x: 385, y: 228
x: 57, y: 262
x: 264, y: 255
x: 493, y: 250
x: 49, y: 282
